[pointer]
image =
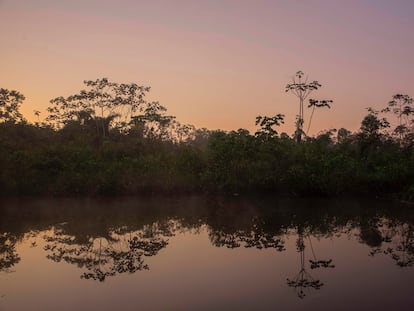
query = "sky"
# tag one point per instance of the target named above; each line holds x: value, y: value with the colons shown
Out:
x: 213, y: 63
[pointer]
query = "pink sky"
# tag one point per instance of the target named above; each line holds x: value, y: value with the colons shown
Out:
x: 214, y: 64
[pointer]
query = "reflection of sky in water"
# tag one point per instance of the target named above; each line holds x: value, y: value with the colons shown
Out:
x: 190, y: 259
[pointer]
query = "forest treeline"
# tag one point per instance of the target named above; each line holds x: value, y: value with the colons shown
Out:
x: 108, y: 139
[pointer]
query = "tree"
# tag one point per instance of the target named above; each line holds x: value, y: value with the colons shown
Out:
x: 372, y: 125
x: 201, y: 137
x: 267, y: 123
x: 10, y: 102
x: 400, y: 105
x: 107, y: 103
x: 185, y: 133
x: 302, y: 89
x: 153, y: 123
x: 342, y: 135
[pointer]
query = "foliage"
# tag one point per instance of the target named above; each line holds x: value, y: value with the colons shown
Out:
x: 10, y: 102
x: 372, y: 125
x: 155, y: 153
x: 400, y: 106
x: 153, y: 123
x: 267, y: 123
x: 103, y: 102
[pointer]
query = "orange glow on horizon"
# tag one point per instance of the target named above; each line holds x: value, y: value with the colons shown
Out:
x: 214, y: 65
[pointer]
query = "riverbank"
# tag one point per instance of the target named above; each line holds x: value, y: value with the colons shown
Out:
x: 40, y: 161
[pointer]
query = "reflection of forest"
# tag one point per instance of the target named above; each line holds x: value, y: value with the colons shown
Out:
x: 249, y: 235
x: 105, y: 238
x: 8, y: 254
x: 396, y: 239
x: 119, y: 251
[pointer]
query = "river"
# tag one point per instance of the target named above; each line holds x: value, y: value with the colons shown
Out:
x: 206, y: 253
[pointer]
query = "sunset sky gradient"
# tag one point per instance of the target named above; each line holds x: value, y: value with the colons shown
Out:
x: 213, y: 63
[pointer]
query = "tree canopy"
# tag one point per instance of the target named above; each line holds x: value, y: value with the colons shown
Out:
x: 10, y: 102
x: 107, y: 103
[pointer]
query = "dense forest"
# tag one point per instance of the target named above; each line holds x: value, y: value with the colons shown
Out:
x: 108, y: 139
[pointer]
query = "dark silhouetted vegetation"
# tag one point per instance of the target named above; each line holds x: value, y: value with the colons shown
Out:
x: 110, y: 140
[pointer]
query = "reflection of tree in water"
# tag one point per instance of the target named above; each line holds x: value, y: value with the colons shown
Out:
x: 253, y: 236
x: 120, y: 251
x: 270, y: 228
x: 304, y: 281
x: 397, y: 240
x: 8, y: 255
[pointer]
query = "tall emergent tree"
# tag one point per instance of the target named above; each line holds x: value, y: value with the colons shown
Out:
x: 302, y: 89
x: 400, y: 105
x: 10, y: 102
x: 106, y: 103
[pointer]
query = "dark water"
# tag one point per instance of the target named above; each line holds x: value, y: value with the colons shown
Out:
x: 204, y: 253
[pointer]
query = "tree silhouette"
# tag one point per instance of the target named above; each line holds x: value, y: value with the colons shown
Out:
x: 400, y: 106
x: 10, y: 102
x: 152, y: 123
x: 372, y: 125
x: 302, y: 89
x: 266, y: 125
x: 106, y: 103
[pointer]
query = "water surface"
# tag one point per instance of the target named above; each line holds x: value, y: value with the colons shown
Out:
x: 206, y: 253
